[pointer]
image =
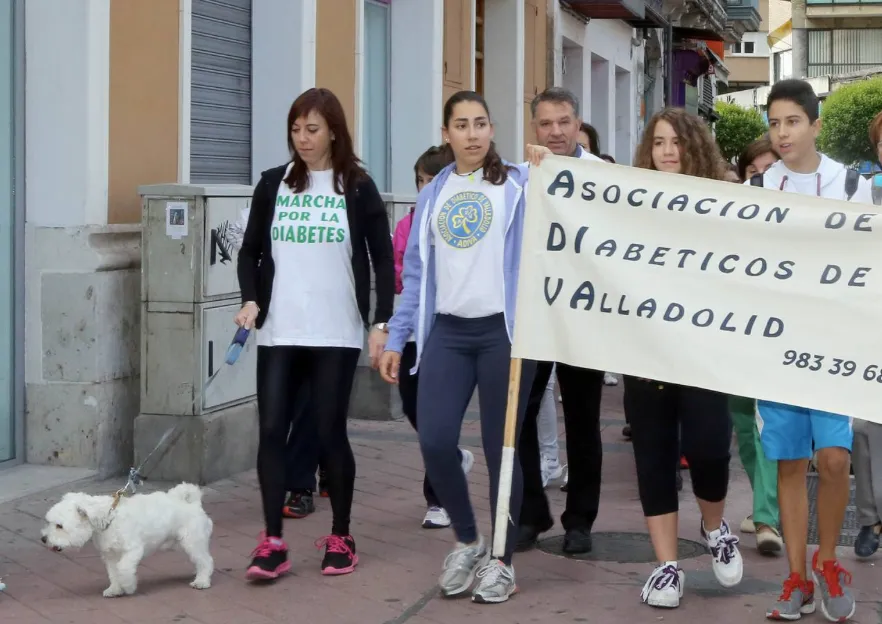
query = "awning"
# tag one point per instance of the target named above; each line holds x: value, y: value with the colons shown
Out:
x: 780, y: 33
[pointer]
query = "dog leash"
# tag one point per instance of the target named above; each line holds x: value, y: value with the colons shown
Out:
x: 137, y: 476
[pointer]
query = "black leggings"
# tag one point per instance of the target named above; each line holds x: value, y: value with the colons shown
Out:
x: 667, y: 419
x: 326, y: 373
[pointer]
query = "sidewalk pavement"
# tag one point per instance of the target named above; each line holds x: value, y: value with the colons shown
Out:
x: 400, y: 562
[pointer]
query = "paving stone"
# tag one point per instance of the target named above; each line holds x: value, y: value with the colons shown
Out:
x: 400, y: 562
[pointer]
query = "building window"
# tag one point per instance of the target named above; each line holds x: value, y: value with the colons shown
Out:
x: 833, y: 52
x: 376, y: 151
x: 220, y: 92
x: 742, y: 47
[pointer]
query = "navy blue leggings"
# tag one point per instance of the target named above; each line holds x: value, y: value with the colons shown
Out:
x: 461, y: 354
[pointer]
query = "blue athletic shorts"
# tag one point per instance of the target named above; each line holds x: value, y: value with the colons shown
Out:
x: 787, y: 431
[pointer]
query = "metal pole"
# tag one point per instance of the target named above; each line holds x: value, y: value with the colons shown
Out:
x: 669, y: 64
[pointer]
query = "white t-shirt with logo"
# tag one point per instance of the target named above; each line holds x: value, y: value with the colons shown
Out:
x: 468, y: 233
x: 313, y: 302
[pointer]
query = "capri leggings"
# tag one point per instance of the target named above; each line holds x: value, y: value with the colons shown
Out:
x: 659, y: 413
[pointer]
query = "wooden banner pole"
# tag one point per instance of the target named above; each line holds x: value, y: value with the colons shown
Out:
x: 506, y: 469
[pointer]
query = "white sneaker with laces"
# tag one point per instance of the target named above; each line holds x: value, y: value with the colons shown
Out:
x: 462, y: 565
x: 664, y: 588
x: 496, y: 583
x: 436, y: 518
x: 728, y: 564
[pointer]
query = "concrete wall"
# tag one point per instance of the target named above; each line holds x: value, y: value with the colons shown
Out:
x: 611, y: 65
x: 283, y: 34
x: 504, y: 74
x: 417, y: 75
x: 107, y: 109
x: 81, y: 288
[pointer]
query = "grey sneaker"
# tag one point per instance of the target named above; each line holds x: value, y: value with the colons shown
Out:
x: 496, y: 583
x: 797, y: 599
x: 832, y: 581
x: 461, y: 566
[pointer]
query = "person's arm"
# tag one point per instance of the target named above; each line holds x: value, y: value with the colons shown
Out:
x: 379, y: 243
x: 252, y: 243
x: 402, y: 324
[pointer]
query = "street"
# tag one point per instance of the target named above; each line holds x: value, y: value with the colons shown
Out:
x: 400, y: 562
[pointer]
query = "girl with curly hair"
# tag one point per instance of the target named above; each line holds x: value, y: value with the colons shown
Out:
x: 669, y: 418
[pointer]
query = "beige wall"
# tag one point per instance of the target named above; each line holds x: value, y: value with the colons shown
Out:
x: 144, y: 100
x: 535, y: 66
x: 748, y: 69
x: 457, y: 59
x: 335, y: 53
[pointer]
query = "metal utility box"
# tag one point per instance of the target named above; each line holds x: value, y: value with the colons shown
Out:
x: 189, y: 295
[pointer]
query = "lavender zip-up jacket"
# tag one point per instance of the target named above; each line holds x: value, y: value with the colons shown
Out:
x: 416, y: 306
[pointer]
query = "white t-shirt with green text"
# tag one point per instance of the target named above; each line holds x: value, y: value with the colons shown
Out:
x: 313, y: 302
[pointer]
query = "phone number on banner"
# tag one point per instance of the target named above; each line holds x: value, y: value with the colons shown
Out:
x: 833, y: 366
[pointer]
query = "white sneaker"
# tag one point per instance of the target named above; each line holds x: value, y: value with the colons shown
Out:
x: 723, y: 546
x: 664, y: 588
x: 468, y: 460
x: 610, y: 380
x: 551, y: 471
x: 462, y: 565
x: 496, y: 583
x: 436, y: 518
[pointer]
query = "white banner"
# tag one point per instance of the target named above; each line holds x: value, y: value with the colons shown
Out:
x: 748, y: 291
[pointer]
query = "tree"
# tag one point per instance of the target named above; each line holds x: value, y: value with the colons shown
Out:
x: 737, y: 128
x: 845, y: 121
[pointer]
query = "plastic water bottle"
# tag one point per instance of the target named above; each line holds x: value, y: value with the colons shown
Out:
x: 236, y: 346
x: 877, y: 189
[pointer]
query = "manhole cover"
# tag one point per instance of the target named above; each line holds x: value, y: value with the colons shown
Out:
x: 850, y: 526
x: 621, y: 548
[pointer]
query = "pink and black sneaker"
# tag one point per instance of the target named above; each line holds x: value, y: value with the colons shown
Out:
x: 270, y: 560
x: 340, y: 557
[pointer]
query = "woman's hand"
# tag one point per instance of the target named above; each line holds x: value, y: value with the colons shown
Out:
x: 535, y: 154
x: 247, y: 315
x: 376, y: 343
x: 390, y: 361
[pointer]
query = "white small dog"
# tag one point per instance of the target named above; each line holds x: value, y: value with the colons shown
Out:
x: 139, y: 526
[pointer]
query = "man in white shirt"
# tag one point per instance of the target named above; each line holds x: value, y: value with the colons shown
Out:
x: 556, y: 122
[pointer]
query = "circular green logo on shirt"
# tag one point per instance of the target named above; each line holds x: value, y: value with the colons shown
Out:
x: 465, y: 219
